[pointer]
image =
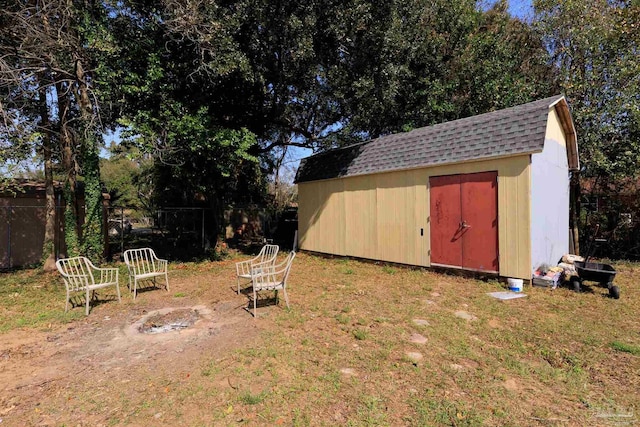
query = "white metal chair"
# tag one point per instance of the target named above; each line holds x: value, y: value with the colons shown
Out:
x: 80, y: 275
x: 144, y: 264
x: 267, y: 254
x: 271, y: 277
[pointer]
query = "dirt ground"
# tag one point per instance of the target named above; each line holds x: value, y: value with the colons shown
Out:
x: 363, y: 344
x: 106, y: 351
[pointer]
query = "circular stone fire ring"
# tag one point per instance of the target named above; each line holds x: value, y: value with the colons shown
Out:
x: 175, y: 320
x: 169, y: 320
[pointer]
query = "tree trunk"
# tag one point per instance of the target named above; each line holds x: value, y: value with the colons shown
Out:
x: 48, y: 247
x: 71, y: 216
x: 92, y: 234
x: 574, y: 210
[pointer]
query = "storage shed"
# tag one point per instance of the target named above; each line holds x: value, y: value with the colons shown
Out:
x: 22, y: 222
x: 485, y: 193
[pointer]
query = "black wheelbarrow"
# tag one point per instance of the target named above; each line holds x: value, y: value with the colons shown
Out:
x: 596, y: 272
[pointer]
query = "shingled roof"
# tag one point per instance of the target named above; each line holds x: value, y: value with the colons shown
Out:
x: 503, y: 133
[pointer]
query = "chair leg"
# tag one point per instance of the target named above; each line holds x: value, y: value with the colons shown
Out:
x: 255, y: 313
x: 66, y: 305
x: 166, y: 280
x: 135, y: 287
x: 238, y: 281
x: 87, y: 299
x: 118, y: 291
x: 286, y: 297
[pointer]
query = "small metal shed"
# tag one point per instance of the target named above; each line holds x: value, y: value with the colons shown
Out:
x: 485, y: 193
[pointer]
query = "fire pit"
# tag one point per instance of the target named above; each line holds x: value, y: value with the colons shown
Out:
x: 169, y: 322
x: 174, y: 320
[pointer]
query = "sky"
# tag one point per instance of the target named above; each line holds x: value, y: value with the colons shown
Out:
x: 521, y: 8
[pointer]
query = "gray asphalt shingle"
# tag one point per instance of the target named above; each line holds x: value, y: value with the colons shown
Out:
x: 517, y: 130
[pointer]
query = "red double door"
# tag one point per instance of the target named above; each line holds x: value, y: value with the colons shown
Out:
x: 464, y: 221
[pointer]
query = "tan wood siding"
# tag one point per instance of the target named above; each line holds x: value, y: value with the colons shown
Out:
x: 361, y: 218
x: 322, y: 207
x: 421, y: 217
x: 396, y: 219
x: 514, y: 213
x: 380, y: 216
x: 306, y: 207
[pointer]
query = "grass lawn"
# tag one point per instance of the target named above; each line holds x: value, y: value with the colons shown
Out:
x: 363, y: 344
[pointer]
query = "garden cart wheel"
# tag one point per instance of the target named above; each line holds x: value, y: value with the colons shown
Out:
x: 575, y: 284
x: 614, y: 291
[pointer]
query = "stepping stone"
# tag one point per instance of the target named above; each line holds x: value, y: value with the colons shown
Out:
x: 464, y: 315
x: 418, y: 339
x: 414, y: 356
x: 421, y: 322
x: 349, y: 372
x: 511, y: 385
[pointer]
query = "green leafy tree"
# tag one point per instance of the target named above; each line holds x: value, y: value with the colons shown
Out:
x: 53, y: 54
x: 595, y: 47
x: 417, y: 63
x: 195, y: 93
x: 121, y: 172
x: 198, y: 163
x: 47, y: 107
x: 503, y: 63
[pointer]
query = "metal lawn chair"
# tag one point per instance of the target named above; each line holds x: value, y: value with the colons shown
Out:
x: 267, y: 254
x: 144, y: 264
x: 271, y: 277
x: 80, y: 275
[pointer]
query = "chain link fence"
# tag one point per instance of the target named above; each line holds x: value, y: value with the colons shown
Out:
x: 173, y: 233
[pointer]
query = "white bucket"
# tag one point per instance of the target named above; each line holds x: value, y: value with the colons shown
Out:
x: 515, y: 285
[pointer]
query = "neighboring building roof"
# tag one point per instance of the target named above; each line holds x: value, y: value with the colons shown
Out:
x: 503, y: 133
x: 16, y: 187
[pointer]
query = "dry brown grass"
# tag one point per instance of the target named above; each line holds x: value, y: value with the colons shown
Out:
x: 340, y: 356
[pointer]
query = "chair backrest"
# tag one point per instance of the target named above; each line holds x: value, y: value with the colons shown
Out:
x: 268, y: 253
x: 76, y: 272
x: 140, y: 261
x: 267, y: 274
x: 287, y: 268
